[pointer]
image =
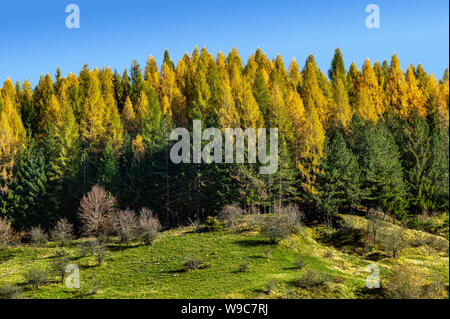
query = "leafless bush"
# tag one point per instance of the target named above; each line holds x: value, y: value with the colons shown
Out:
x: 405, y: 283
x: 148, y: 226
x: 292, y: 212
x: 100, y: 253
x: 10, y: 292
x: 59, y: 266
x: 36, y: 277
x: 300, y: 263
x: 394, y: 241
x: 271, y: 285
x: 61, y: 253
x: 436, y: 289
x: 6, y: 232
x: 62, y: 232
x: 313, y: 278
x: 376, y: 221
x: 193, y: 263
x: 281, y: 224
x: 87, y: 248
x: 125, y: 225
x: 243, y: 268
x: 267, y: 251
x: 230, y: 215
x: 95, y: 212
x: 38, y: 236
x: 195, y: 223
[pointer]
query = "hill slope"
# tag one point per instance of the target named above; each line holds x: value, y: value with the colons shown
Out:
x: 237, y: 264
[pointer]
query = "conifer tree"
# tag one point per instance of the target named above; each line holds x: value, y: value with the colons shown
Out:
x: 414, y: 96
x: 129, y: 118
x: 337, y: 70
x: 12, y: 138
x: 311, y: 90
x: 396, y: 88
x: 353, y: 77
x: 26, y: 202
x: 382, y: 183
x: 369, y: 96
x: 338, y: 182
x: 151, y: 73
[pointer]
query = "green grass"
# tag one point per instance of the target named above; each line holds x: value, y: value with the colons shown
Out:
x: 156, y: 271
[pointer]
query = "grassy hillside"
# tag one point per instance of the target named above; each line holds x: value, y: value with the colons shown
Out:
x: 237, y: 263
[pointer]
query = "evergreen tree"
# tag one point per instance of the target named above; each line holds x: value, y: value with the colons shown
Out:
x: 381, y: 171
x: 339, y: 180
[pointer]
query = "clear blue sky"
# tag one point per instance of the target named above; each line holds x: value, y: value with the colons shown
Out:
x: 34, y: 39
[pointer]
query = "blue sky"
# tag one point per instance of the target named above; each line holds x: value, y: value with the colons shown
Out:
x: 34, y: 39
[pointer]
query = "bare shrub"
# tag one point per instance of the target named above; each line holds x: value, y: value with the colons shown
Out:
x: 62, y: 232
x: 243, y: 268
x: 313, y: 278
x: 282, y: 224
x: 230, y: 215
x: 300, y: 263
x: 36, y: 277
x: 271, y: 285
x: 436, y: 289
x: 405, y: 283
x: 193, y: 263
x: 125, y: 225
x: 38, y: 236
x: 267, y: 251
x: 195, y: 223
x: 328, y: 254
x: 61, y: 253
x: 292, y: 212
x: 95, y: 212
x: 6, y: 232
x: 148, y: 226
x: 10, y: 292
x: 394, y: 241
x: 100, y: 253
x: 59, y: 266
x: 87, y: 248
x: 375, y: 222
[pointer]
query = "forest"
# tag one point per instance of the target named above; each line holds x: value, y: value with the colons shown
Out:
x: 350, y: 140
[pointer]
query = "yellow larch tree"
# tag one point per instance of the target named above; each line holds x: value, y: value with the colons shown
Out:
x: 414, y: 96
x: 227, y: 114
x: 129, y: 118
x: 311, y: 90
x: 373, y: 106
x: 396, y: 88
x: 12, y: 138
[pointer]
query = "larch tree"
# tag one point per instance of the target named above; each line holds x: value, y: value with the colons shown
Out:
x: 12, y: 138
x: 369, y: 96
x: 129, y: 118
x: 396, y: 88
x: 311, y: 150
x: 414, y: 96
x: 227, y: 114
x: 93, y: 130
x: 337, y: 70
x: 353, y: 76
x: 341, y: 111
x: 295, y: 76
x: 311, y: 90
x: 151, y: 73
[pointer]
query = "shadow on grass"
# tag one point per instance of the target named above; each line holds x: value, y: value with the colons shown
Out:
x: 6, y: 254
x: 118, y: 247
x: 253, y: 242
x: 374, y: 293
x: 176, y: 271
